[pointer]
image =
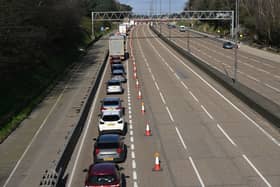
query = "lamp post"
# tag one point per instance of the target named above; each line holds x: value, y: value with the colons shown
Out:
x: 169, y: 19
x: 236, y: 39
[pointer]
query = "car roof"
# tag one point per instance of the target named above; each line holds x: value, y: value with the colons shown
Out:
x: 102, y: 169
x: 111, y: 99
x: 117, y: 65
x: 106, y: 138
x: 111, y: 112
x: 114, y: 80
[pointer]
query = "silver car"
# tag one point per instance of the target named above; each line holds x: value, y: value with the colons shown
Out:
x: 109, y: 148
x: 114, y: 86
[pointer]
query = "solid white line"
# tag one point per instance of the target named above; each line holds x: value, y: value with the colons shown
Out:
x: 210, y: 116
x: 157, y: 86
x: 181, y: 139
x: 275, y: 89
x: 33, y: 139
x: 85, y: 131
x: 226, y: 135
x: 196, y: 172
x: 184, y: 85
x: 194, y: 96
x: 256, y: 170
x: 222, y: 96
x: 162, y: 98
x: 169, y: 113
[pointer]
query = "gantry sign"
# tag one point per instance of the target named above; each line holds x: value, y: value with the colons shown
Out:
x: 152, y: 17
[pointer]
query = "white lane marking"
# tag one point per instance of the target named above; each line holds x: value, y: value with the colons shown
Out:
x: 131, y: 133
x: 133, y: 164
x: 132, y: 154
x: 226, y: 135
x: 134, y: 175
x: 181, y: 139
x: 135, y: 184
x: 131, y: 139
x: 194, y: 96
x: 196, y: 172
x: 263, y: 70
x: 272, y: 87
x: 253, y: 78
x: 162, y: 98
x: 88, y: 122
x: 257, y: 171
x: 222, y: 96
x: 34, y: 138
x: 177, y: 76
x: 184, y: 85
x: 130, y: 116
x: 129, y: 112
x: 130, y: 127
x: 210, y: 116
x: 153, y: 77
x: 277, y: 76
x: 169, y: 113
x: 157, y: 86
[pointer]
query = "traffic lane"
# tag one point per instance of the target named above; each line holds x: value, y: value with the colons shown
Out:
x: 191, y: 121
x: 173, y: 157
x: 75, y: 175
x: 50, y: 138
x: 261, y: 82
x: 273, y: 150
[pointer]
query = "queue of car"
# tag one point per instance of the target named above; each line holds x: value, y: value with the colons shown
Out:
x: 109, y: 148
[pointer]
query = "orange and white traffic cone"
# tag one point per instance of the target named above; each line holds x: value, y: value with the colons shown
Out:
x: 134, y: 75
x: 134, y: 68
x: 139, y: 95
x: 142, y: 108
x: 137, y: 84
x: 148, y: 130
x: 157, y: 163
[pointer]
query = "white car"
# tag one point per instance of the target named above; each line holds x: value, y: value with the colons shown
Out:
x: 111, y: 121
x: 114, y: 86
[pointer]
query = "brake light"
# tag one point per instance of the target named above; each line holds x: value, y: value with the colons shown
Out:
x: 119, y: 150
x: 102, y: 108
x: 97, y: 151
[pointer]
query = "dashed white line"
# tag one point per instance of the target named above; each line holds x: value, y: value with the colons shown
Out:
x: 131, y: 139
x: 157, y: 86
x: 263, y: 70
x: 134, y: 175
x: 226, y: 135
x: 194, y: 96
x: 133, y: 164
x: 253, y: 78
x: 181, y: 139
x: 196, y: 172
x: 132, y: 154
x: 169, y: 113
x: 257, y: 171
x: 162, y: 98
x: 210, y: 116
x: 184, y: 85
x: 272, y: 87
x: 177, y: 76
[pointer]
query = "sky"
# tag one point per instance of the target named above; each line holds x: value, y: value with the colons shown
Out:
x: 144, y: 6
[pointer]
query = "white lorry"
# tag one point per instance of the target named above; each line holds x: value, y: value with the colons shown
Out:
x: 117, y: 47
x: 123, y: 29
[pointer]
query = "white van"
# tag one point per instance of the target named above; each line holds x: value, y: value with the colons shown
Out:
x: 182, y: 28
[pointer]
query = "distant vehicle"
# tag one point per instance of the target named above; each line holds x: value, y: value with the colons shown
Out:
x: 118, y: 74
x: 111, y: 103
x: 228, y: 45
x: 117, y: 46
x: 114, y: 86
x: 123, y: 29
x: 117, y: 66
x: 109, y: 148
x: 104, y: 174
x: 182, y: 28
x: 171, y: 25
x: 111, y: 121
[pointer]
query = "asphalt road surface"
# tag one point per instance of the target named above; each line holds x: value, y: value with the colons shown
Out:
x: 204, y: 135
x: 257, y: 72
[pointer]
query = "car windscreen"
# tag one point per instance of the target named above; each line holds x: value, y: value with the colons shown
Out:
x: 107, y: 145
x: 102, y: 180
x: 114, y: 83
x: 111, y: 118
x: 110, y: 103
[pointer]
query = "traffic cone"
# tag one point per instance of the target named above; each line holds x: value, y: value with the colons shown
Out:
x: 134, y: 68
x: 148, y: 130
x: 157, y: 163
x: 137, y: 84
x: 142, y: 108
x: 134, y: 75
x: 139, y: 95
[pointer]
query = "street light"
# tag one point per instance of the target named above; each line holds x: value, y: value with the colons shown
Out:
x: 236, y: 38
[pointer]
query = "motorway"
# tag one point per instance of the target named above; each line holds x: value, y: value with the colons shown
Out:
x: 204, y: 135
x: 254, y: 71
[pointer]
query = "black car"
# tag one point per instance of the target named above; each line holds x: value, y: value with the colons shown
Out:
x: 109, y: 148
x: 228, y: 45
x: 117, y: 67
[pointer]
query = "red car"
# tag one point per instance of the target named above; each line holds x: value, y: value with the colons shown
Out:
x: 104, y: 175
